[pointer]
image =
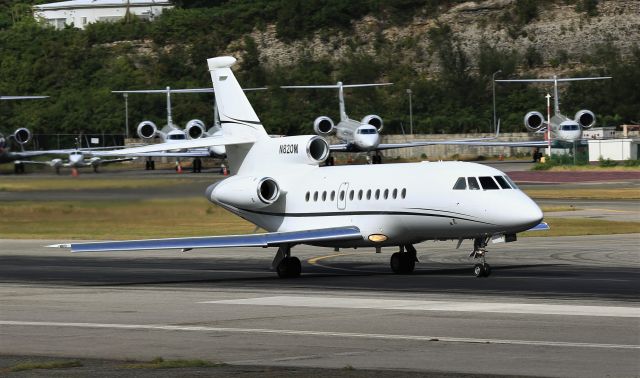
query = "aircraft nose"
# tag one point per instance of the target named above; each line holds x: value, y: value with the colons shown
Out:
x: 525, y: 215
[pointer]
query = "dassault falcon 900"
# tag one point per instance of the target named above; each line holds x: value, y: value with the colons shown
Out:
x: 280, y: 186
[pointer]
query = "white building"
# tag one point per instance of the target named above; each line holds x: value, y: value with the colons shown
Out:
x: 79, y: 13
x: 600, y: 133
x: 614, y: 149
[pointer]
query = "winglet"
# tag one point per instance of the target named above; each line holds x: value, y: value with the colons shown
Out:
x: 221, y: 62
x: 542, y: 226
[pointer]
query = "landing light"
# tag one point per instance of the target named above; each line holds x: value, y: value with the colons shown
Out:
x: 378, y: 238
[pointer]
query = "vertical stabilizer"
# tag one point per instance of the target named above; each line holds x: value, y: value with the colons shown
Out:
x: 343, y: 112
x: 556, y: 98
x: 235, y: 112
x: 169, y: 117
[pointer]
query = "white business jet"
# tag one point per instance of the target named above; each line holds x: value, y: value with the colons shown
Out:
x: 565, y: 132
x: 280, y: 186
x: 364, y: 135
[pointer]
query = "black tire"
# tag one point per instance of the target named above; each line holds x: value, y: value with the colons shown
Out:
x: 146, y: 165
x: 396, y: 263
x: 289, y: 267
x: 152, y: 165
x: 487, y: 270
x: 478, y: 270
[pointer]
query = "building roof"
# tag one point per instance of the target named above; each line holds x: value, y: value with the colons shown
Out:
x: 75, y: 4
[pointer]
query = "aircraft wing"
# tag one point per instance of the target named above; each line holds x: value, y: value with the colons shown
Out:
x: 168, y: 154
x: 269, y: 239
x: 216, y: 140
x: 118, y: 160
x: 468, y: 142
x: 33, y: 162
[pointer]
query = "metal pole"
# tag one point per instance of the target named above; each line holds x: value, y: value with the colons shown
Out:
x: 126, y: 115
x: 548, y: 96
x: 493, y: 89
x: 410, y: 113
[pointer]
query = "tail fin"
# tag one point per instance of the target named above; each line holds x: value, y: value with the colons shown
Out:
x: 235, y: 111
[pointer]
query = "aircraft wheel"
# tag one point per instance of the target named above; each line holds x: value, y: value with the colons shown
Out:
x: 402, y: 263
x: 481, y: 270
x: 289, y: 267
x: 152, y: 165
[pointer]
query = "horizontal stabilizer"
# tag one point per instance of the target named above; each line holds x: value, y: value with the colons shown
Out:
x: 542, y: 226
x: 334, y: 86
x: 551, y: 80
x: 252, y: 240
x: 22, y: 97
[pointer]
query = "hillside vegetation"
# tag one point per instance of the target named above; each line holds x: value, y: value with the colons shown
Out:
x: 445, y: 51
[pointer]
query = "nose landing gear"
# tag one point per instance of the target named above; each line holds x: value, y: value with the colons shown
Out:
x: 482, y: 269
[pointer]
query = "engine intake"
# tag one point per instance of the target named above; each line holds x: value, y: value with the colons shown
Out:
x: 147, y: 129
x: 195, y: 129
x: 323, y: 126
x: 534, y: 121
x: 22, y: 135
x: 268, y: 190
x: 374, y: 121
x: 585, y: 118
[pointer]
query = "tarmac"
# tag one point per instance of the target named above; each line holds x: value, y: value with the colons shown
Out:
x: 553, y: 306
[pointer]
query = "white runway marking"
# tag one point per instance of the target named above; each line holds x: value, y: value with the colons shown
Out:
x: 291, y: 332
x: 423, y: 305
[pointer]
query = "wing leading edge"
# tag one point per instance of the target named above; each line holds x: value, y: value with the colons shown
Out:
x: 269, y: 239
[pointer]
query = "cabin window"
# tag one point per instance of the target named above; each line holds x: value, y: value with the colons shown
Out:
x: 395, y: 193
x: 315, y: 196
x: 488, y: 183
x: 510, y: 181
x: 473, y: 183
x: 360, y: 194
x: 333, y: 195
x: 377, y: 194
x: 369, y: 194
x: 461, y: 184
x: 403, y: 194
x: 342, y: 195
x: 502, y: 182
x: 351, y: 193
x: 324, y: 196
x: 307, y: 196
x: 386, y: 193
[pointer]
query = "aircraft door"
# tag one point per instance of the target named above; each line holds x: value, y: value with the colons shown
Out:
x: 342, y: 196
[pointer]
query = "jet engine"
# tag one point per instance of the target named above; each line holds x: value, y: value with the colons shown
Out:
x: 22, y: 135
x: 585, y: 118
x: 245, y: 192
x: 534, y: 121
x: 374, y: 121
x: 195, y: 129
x: 147, y: 129
x: 323, y: 126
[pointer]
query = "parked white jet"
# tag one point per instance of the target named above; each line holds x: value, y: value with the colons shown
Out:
x: 364, y: 135
x: 564, y: 130
x: 279, y: 186
x: 78, y: 158
x: 22, y: 136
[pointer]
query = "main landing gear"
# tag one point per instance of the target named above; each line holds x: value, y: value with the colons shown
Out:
x: 482, y: 269
x: 150, y: 165
x: 404, y: 262
x: 286, y: 266
x: 196, y: 166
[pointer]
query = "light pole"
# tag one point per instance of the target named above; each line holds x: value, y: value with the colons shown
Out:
x: 493, y: 89
x: 126, y: 115
x: 410, y: 113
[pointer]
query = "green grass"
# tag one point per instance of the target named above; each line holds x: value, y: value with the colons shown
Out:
x: 590, y: 193
x: 580, y: 226
x: 32, y: 365
x: 161, y: 363
x: 83, y: 183
x: 111, y: 220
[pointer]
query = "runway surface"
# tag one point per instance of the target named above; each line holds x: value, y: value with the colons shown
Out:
x: 565, y: 306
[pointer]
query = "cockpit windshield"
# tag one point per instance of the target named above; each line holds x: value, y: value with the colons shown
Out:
x: 177, y: 137
x: 569, y: 127
x: 366, y: 131
x: 484, y: 182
